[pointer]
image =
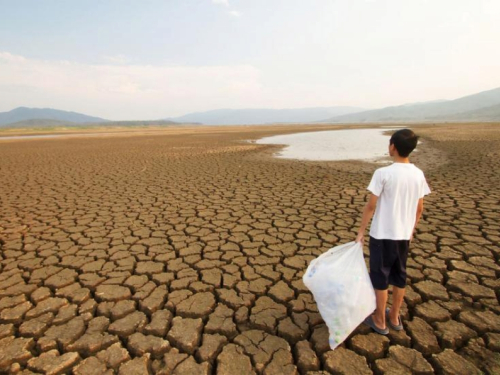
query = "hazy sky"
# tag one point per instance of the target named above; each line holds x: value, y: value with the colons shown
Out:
x: 122, y: 59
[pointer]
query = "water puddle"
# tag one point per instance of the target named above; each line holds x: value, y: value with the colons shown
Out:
x: 352, y: 144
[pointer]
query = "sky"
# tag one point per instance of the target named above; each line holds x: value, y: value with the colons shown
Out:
x: 152, y: 59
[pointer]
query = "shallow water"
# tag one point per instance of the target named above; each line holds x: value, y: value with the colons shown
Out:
x: 352, y: 144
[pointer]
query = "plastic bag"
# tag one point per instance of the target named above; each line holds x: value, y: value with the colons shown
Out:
x: 341, y: 286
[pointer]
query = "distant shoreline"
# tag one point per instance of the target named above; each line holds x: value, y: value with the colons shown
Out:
x: 177, y: 128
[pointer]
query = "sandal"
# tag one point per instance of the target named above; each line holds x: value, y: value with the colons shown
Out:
x: 370, y: 323
x: 398, y: 327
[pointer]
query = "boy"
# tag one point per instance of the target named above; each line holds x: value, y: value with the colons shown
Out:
x: 397, y: 200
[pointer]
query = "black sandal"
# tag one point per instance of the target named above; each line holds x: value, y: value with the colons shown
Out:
x: 399, y: 327
x: 370, y: 323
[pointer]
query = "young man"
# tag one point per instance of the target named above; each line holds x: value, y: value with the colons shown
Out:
x: 397, y: 199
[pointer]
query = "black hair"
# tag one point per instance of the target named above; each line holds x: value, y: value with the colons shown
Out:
x: 405, y: 142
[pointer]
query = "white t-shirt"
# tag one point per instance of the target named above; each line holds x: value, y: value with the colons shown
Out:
x: 398, y: 188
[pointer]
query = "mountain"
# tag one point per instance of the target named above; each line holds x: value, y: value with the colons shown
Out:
x: 43, y: 123
x: 483, y: 106
x: 24, y: 113
x: 427, y: 102
x: 263, y: 115
x: 137, y: 123
x: 491, y: 113
x: 38, y: 123
x: 467, y: 108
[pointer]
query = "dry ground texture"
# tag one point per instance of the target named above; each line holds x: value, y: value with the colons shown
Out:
x: 182, y: 252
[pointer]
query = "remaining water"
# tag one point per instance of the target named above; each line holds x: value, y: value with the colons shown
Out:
x: 352, y: 144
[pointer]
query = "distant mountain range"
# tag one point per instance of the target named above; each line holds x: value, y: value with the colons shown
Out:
x: 481, y: 107
x: 484, y: 106
x: 42, y: 123
x: 24, y: 117
x: 491, y: 113
x: 38, y: 123
x: 264, y: 115
x: 24, y: 113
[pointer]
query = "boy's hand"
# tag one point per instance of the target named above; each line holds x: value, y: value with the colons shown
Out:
x: 360, y: 238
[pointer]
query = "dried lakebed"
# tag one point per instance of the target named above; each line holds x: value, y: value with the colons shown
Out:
x: 183, y: 254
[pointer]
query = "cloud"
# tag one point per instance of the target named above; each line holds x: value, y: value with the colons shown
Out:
x: 221, y: 2
x: 10, y: 58
x: 232, y: 13
x: 117, y: 59
x: 124, y: 91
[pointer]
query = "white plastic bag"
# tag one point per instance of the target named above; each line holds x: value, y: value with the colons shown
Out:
x: 341, y: 286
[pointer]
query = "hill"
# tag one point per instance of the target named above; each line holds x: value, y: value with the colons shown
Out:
x: 24, y: 113
x: 43, y: 123
x: 263, y: 115
x: 38, y: 123
x: 138, y: 123
x: 463, y: 109
x: 491, y: 113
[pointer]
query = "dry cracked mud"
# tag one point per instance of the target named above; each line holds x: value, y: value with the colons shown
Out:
x: 182, y: 252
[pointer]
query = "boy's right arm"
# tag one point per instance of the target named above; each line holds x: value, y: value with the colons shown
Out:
x: 420, y: 209
x: 367, y: 215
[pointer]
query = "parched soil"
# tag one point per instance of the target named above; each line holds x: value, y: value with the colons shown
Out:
x: 182, y: 252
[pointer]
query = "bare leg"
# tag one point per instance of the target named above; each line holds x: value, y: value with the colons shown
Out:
x: 397, y: 300
x: 379, y: 315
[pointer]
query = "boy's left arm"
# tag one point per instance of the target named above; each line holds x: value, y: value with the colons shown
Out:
x: 420, y: 209
x: 367, y: 215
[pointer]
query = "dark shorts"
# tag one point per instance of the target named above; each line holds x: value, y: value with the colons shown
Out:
x: 388, y: 263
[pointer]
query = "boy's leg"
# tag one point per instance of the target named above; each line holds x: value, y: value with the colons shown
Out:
x: 379, y: 315
x: 379, y: 276
x: 397, y: 278
x: 397, y: 300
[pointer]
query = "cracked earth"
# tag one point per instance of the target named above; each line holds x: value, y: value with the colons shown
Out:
x: 182, y: 252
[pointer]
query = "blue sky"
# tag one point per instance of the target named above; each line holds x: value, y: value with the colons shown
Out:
x: 122, y: 59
